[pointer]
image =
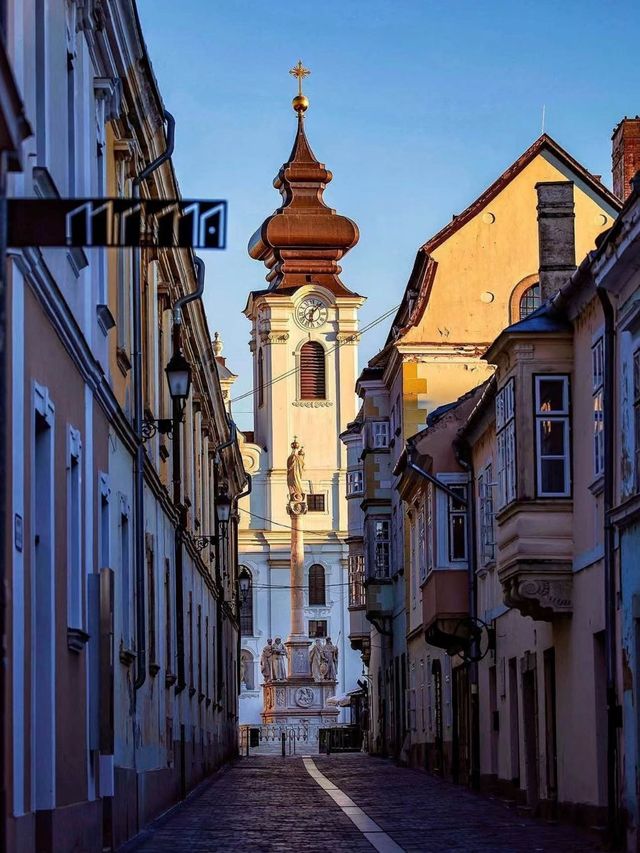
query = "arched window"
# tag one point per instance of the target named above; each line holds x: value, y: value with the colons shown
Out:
x: 312, y: 372
x: 529, y: 301
x: 260, y: 379
x: 246, y: 602
x: 247, y: 681
x: 317, y: 593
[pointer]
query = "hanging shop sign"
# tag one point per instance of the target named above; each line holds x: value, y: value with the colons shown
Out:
x: 117, y: 222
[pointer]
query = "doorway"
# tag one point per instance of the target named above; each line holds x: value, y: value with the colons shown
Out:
x: 530, y: 722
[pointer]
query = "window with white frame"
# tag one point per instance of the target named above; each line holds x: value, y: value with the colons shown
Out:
x: 597, y: 360
x: 636, y: 417
x: 379, y: 434
x: 506, y: 443
x: 553, y: 462
x: 355, y: 483
x: 74, y: 529
x: 457, y: 523
x: 381, y: 548
x: 486, y: 515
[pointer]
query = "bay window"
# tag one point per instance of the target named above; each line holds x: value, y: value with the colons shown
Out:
x: 552, y: 451
x: 506, y: 443
x: 597, y: 358
x: 355, y: 483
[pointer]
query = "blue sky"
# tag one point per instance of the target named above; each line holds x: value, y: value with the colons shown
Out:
x: 416, y: 106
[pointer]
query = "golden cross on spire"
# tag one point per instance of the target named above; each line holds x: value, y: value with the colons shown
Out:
x: 300, y: 72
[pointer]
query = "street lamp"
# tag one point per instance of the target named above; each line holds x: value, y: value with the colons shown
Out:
x: 245, y: 584
x: 223, y: 507
x: 179, y: 377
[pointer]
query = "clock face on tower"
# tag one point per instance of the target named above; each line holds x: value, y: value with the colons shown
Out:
x: 311, y: 313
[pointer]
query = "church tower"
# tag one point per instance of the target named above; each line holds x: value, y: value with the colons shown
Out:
x: 304, y: 336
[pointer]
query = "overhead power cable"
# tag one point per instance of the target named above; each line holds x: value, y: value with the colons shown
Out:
x: 296, y: 369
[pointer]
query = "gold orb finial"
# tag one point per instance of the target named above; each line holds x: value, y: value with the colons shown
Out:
x: 300, y: 103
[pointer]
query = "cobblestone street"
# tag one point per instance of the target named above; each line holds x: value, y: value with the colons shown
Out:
x: 349, y: 802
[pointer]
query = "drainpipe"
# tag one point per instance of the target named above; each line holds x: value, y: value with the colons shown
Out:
x: 138, y: 471
x: 464, y: 458
x: 176, y: 452
x: 613, y: 710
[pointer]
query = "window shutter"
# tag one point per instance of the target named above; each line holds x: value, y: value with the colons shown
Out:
x: 312, y: 372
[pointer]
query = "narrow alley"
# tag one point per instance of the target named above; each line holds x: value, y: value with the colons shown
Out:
x: 349, y: 802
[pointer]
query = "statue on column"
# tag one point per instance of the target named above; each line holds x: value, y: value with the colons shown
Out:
x: 266, y: 661
x: 330, y: 654
x: 315, y: 660
x: 295, y: 468
x: 279, y: 661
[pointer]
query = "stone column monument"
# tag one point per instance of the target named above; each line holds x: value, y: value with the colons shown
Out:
x: 296, y: 695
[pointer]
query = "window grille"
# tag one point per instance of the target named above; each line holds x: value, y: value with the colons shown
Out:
x: 529, y: 301
x: 312, y: 372
x: 317, y: 593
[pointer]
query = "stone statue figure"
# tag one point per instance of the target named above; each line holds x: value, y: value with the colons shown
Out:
x: 279, y: 661
x: 330, y: 655
x: 266, y: 661
x: 295, y: 467
x: 315, y: 660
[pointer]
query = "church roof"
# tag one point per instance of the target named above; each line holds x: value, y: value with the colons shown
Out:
x: 303, y: 240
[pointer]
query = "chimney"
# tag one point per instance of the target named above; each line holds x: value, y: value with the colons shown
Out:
x: 556, y: 235
x: 625, y: 155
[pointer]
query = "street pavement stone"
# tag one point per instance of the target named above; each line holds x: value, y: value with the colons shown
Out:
x: 271, y: 804
x: 424, y: 813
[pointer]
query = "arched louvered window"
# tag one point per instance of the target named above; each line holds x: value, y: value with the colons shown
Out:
x: 246, y: 602
x: 530, y: 301
x: 260, y: 379
x: 312, y: 372
x: 317, y: 593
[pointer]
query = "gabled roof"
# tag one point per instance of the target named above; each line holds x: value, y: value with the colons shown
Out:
x: 543, y: 143
x: 416, y: 295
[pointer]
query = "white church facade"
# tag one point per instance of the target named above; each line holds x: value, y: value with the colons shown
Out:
x: 304, y: 339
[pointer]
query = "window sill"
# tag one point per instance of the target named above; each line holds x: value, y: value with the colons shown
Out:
x: 77, y: 639
x: 312, y: 404
x: 123, y: 361
x: 105, y: 318
x: 597, y: 486
x: 127, y: 656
